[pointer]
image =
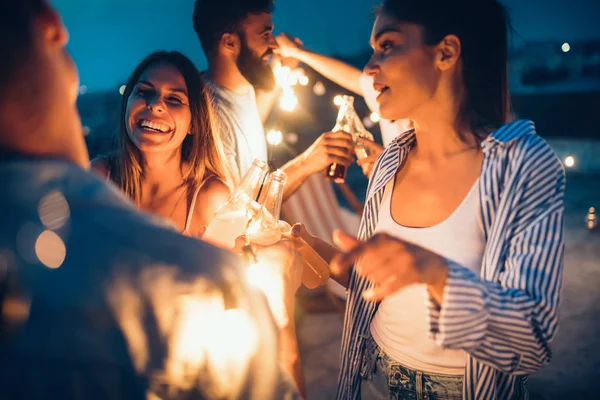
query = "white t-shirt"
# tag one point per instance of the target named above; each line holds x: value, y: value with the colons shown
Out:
x: 400, y: 325
x: 389, y: 129
x: 240, y: 128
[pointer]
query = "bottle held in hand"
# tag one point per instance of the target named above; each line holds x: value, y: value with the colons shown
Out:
x: 231, y: 220
x: 337, y: 172
x: 264, y: 227
x: 349, y: 121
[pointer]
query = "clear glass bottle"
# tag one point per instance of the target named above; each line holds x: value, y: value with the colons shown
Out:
x: 231, y: 220
x: 337, y: 172
x: 349, y: 121
x: 264, y: 227
x: 359, y: 130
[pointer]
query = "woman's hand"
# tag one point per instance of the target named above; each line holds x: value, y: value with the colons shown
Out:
x: 390, y: 264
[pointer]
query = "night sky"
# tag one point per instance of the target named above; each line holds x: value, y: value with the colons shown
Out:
x: 109, y: 37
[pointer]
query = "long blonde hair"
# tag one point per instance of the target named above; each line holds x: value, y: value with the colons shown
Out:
x: 201, y: 150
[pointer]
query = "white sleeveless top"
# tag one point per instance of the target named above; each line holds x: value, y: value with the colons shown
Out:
x: 400, y: 326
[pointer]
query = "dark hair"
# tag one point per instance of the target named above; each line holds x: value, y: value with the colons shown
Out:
x: 213, y: 18
x: 482, y: 27
x: 201, y: 150
x: 16, y: 19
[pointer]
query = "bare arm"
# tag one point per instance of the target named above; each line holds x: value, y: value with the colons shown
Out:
x: 213, y: 194
x: 337, y: 71
x: 99, y: 166
x: 329, y: 148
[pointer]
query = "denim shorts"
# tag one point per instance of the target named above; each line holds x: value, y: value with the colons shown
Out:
x: 383, y: 378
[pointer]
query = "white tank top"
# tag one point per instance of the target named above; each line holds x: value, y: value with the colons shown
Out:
x: 400, y: 326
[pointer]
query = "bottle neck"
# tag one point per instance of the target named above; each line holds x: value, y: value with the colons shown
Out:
x: 252, y: 181
x: 274, y: 198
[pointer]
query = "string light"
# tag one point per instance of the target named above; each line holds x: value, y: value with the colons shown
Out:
x: 274, y: 137
x: 288, y: 101
x: 337, y: 100
x: 569, y: 161
x: 565, y: 47
x: 50, y: 249
x: 319, y: 89
x: 122, y: 90
x: 368, y: 122
x: 375, y: 117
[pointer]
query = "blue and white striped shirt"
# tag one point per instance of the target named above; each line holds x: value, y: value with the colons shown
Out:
x: 506, y: 317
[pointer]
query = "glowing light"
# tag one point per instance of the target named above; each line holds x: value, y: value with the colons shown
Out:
x: 50, y: 249
x: 54, y: 210
x: 15, y: 309
x: 375, y: 117
x: 293, y: 78
x: 591, y: 219
x: 338, y: 100
x: 288, y: 101
x: 303, y: 80
x: 267, y: 277
x: 122, y: 90
x: 569, y: 161
x: 83, y: 89
x: 368, y: 123
x: 282, y: 74
x: 221, y: 354
x: 565, y: 47
x: 85, y: 130
x: 274, y: 137
x: 319, y: 89
x: 292, y: 138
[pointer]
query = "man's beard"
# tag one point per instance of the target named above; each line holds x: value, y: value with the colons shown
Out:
x: 259, y: 75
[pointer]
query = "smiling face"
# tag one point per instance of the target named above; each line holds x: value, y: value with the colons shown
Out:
x: 403, y: 68
x: 256, y: 46
x: 158, y: 115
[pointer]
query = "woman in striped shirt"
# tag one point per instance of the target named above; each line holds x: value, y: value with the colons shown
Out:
x: 454, y: 282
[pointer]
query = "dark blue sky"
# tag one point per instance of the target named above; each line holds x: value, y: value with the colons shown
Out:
x: 109, y: 37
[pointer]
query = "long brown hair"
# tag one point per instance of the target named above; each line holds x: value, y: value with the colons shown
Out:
x: 201, y: 151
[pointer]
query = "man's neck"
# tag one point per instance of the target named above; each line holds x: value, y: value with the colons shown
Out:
x: 35, y: 138
x: 227, y: 74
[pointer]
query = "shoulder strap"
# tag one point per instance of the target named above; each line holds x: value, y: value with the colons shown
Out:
x: 190, y: 216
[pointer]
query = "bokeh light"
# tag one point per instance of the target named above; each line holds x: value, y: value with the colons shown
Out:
x: 292, y: 138
x: 288, y: 101
x: 54, y: 210
x: 303, y: 80
x: 319, y: 89
x: 569, y: 161
x: 368, y: 122
x: 338, y: 100
x: 267, y: 277
x: 274, y: 137
x: 50, y: 249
